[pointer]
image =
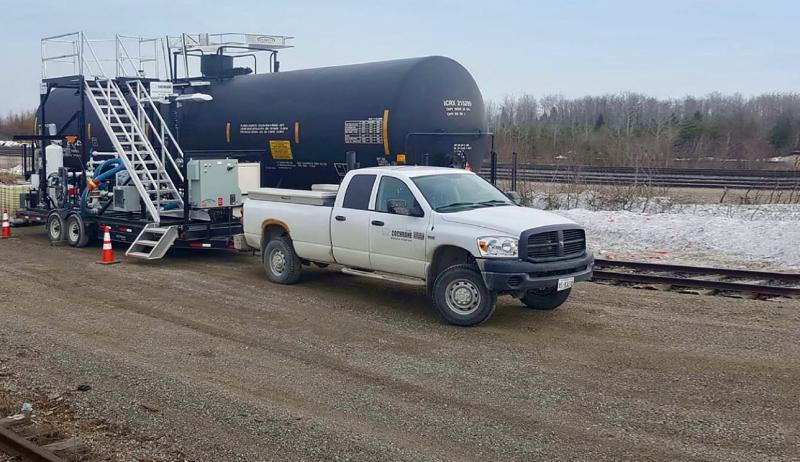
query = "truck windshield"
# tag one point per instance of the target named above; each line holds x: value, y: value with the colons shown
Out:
x: 457, y: 192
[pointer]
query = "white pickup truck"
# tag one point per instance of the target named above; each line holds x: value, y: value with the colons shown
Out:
x: 444, y: 228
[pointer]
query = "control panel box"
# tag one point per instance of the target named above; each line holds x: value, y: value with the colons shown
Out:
x: 213, y: 183
x: 126, y: 199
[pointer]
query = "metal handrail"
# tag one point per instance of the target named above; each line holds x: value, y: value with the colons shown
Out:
x: 121, y: 62
x: 106, y: 91
x: 87, y: 62
x: 140, y: 87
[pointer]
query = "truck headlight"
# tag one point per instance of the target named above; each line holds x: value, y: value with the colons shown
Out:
x: 498, y: 246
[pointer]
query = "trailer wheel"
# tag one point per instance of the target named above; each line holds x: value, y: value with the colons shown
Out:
x: 55, y: 227
x: 76, y: 231
x: 461, y: 297
x: 545, y: 299
x: 280, y: 261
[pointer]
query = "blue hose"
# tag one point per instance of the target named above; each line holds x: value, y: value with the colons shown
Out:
x: 116, y: 166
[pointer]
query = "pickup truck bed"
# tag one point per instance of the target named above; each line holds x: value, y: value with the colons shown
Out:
x: 305, y: 214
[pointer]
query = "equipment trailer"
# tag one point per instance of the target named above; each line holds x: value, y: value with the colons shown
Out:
x: 147, y: 191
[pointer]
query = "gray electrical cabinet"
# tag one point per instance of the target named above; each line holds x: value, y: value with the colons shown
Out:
x: 213, y: 183
x: 126, y: 199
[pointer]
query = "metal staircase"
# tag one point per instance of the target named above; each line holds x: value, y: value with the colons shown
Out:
x: 153, y: 242
x: 147, y: 150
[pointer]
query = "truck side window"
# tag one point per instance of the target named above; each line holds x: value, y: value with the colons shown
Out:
x: 358, y: 192
x: 394, y: 196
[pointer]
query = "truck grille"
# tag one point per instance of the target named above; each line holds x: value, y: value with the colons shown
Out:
x: 556, y: 245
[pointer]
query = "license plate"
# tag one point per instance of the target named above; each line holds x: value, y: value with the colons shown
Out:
x: 565, y: 283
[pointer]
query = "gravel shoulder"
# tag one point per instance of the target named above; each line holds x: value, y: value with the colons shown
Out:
x: 199, y: 357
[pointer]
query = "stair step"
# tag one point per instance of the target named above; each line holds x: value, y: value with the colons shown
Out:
x: 139, y: 254
x: 147, y: 242
x: 157, y: 230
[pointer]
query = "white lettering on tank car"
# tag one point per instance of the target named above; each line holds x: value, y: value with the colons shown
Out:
x: 457, y: 107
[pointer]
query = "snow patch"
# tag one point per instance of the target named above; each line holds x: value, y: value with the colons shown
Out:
x: 765, y: 236
x: 13, y: 170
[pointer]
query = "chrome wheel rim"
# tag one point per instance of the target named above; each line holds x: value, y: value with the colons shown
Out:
x: 55, y: 229
x: 277, y: 262
x: 463, y: 297
x: 74, y: 231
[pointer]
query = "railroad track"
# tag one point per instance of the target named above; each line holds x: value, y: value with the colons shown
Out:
x: 665, y: 177
x: 764, y: 283
x: 17, y: 435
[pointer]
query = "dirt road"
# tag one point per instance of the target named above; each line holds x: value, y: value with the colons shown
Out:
x: 198, y: 356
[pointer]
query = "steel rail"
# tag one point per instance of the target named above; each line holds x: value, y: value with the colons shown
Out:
x: 698, y: 283
x: 768, y: 183
x: 17, y: 446
x: 583, y: 169
x: 660, y: 176
x: 666, y: 267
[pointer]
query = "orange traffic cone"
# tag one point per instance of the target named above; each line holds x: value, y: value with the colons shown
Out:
x: 6, y: 226
x: 107, y: 258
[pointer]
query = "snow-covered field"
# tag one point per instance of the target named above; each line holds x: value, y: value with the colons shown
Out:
x: 748, y: 236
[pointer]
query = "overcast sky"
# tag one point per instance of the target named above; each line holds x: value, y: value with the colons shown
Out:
x: 572, y: 47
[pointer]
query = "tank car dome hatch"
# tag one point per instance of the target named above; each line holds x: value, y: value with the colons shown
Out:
x: 301, y: 124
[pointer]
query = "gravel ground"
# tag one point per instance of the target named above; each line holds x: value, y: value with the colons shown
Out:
x: 198, y: 357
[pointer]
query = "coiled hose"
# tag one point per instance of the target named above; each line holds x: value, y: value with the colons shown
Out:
x: 115, y: 166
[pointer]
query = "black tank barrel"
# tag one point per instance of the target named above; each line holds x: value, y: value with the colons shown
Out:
x: 301, y: 124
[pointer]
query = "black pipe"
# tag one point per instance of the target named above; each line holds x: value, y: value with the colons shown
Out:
x: 514, y: 171
x: 42, y: 124
x: 351, y: 161
x: 493, y: 168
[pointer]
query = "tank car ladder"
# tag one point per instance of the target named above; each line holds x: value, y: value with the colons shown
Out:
x: 129, y: 129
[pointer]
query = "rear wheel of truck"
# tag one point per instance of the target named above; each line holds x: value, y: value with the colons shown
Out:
x: 461, y: 297
x: 545, y: 299
x: 280, y: 261
x: 55, y: 227
x: 75, y: 231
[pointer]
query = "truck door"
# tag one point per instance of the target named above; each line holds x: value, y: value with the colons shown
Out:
x: 397, y: 230
x: 350, y: 223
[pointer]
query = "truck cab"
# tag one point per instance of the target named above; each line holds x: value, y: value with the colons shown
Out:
x: 447, y: 229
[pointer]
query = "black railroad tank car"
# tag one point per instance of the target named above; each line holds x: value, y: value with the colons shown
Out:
x: 301, y: 124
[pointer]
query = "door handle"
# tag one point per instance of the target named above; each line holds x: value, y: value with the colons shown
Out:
x: 340, y: 218
x: 377, y: 223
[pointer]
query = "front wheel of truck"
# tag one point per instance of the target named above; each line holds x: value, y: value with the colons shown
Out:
x: 280, y: 261
x: 461, y: 297
x: 545, y: 299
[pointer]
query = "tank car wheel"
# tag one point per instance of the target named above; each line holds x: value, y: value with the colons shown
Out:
x: 281, y: 263
x: 55, y: 227
x: 76, y: 233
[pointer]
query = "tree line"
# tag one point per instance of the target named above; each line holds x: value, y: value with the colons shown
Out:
x: 16, y: 123
x: 623, y: 129
x: 638, y: 130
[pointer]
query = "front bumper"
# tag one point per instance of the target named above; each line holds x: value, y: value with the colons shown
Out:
x: 514, y: 275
